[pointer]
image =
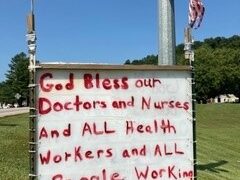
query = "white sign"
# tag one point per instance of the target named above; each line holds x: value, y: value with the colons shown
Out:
x: 114, y: 125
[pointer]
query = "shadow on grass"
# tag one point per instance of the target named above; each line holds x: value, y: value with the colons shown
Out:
x: 8, y: 125
x: 213, y: 167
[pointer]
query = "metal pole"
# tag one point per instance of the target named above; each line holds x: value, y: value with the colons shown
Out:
x: 167, y: 40
x: 31, y: 41
x: 189, y: 54
x: 32, y: 6
x: 194, y: 116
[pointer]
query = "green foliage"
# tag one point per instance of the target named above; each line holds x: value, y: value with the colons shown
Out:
x: 150, y: 59
x: 16, y: 80
x: 217, y: 64
x: 217, y: 68
x: 6, y: 95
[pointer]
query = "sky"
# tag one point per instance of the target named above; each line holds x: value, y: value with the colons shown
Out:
x: 102, y: 31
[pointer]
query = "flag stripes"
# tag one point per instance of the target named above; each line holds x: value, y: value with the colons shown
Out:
x: 196, y: 13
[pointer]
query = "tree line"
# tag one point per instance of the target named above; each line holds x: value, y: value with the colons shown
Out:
x: 217, y: 64
x: 17, y: 79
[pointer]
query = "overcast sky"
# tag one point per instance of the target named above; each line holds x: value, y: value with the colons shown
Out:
x: 102, y: 31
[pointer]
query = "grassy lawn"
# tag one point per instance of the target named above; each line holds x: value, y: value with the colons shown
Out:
x: 14, y: 147
x: 218, y: 136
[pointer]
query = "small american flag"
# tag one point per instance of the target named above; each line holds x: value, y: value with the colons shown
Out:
x: 196, y: 13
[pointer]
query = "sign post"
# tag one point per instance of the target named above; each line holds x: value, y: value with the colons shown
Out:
x: 31, y: 41
x: 189, y: 55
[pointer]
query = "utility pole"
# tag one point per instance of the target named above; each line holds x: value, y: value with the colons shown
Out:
x: 188, y: 43
x: 31, y: 42
x: 167, y: 39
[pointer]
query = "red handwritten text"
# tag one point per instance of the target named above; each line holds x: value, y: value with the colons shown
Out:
x: 91, y: 81
x: 46, y: 106
x: 54, y: 133
x: 147, y: 83
x: 157, y: 126
x: 47, y: 87
x: 170, y: 172
x: 103, y: 176
x: 147, y: 103
x: 77, y: 155
x: 92, y: 129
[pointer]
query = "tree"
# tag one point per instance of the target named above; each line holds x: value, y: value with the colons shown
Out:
x: 150, y: 59
x: 17, y: 79
x: 217, y: 64
x: 3, y: 92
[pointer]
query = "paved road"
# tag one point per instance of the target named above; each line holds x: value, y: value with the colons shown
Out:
x: 13, y: 111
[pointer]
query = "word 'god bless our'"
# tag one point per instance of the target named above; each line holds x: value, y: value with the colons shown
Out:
x: 95, y: 81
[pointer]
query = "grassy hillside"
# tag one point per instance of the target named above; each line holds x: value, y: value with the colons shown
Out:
x: 218, y: 136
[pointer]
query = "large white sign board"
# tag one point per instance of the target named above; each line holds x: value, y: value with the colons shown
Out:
x: 114, y: 124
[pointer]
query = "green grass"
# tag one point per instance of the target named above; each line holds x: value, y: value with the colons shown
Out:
x: 218, y: 140
x: 218, y: 144
x: 14, y: 148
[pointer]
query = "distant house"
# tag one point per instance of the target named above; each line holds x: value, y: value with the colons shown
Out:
x: 5, y: 106
x: 228, y: 98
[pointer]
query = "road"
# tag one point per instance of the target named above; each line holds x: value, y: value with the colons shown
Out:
x: 13, y: 111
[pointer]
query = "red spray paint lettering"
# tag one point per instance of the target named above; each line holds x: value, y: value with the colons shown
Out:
x: 167, y: 149
x: 147, y: 103
x: 170, y: 172
x: 92, y: 129
x: 78, y: 154
x: 103, y: 175
x: 47, y: 87
x: 46, y: 106
x: 44, y: 133
x: 91, y: 81
x: 151, y: 83
x: 157, y: 126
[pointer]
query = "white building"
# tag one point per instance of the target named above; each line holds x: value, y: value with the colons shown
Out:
x: 228, y: 98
